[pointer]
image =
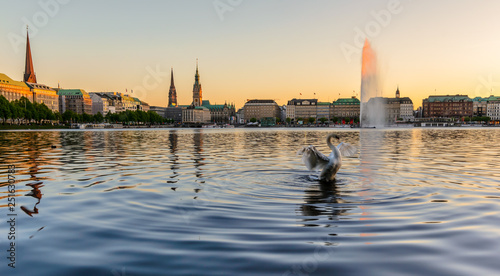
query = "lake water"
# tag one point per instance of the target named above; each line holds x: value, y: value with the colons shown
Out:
x: 240, y: 202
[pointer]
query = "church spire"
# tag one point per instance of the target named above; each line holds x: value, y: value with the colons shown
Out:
x: 172, y: 78
x: 197, y: 92
x: 29, y: 72
x: 172, y: 94
x: 398, y: 95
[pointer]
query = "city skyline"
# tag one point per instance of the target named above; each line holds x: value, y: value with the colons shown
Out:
x: 298, y: 50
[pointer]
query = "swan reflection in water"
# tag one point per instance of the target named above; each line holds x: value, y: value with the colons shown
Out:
x: 36, y: 193
x: 328, y: 165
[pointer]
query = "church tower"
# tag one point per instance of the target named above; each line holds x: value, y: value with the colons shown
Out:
x: 197, y: 94
x: 398, y: 95
x: 172, y: 94
x: 29, y: 72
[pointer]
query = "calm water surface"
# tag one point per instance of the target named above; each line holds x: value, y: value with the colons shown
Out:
x: 239, y: 202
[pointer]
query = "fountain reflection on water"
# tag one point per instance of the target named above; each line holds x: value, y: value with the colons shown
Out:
x: 372, y: 106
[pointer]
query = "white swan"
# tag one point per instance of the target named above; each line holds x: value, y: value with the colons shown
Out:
x: 329, y: 165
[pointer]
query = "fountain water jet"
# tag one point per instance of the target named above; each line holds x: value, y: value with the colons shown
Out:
x: 372, y: 105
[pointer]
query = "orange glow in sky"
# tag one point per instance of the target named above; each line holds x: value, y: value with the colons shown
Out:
x: 259, y: 49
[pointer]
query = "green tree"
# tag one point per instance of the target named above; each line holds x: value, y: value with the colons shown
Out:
x: 253, y: 120
x: 288, y: 120
x: 5, y: 109
x: 86, y: 118
x: 323, y: 120
x: 311, y: 120
x: 98, y: 118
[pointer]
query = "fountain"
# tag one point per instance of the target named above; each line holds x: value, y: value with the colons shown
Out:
x: 372, y: 105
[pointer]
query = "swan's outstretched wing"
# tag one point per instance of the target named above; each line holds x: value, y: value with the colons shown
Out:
x: 347, y: 149
x: 312, y: 158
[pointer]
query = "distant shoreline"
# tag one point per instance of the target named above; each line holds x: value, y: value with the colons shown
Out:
x: 42, y: 127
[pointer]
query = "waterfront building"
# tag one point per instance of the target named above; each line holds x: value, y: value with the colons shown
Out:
x: 123, y: 102
x: 302, y: 109
x: 141, y: 105
x: 159, y: 110
x: 346, y: 108
x: 406, y: 111
x: 100, y: 103
x: 14, y: 90
x: 240, y: 116
x: 392, y: 109
x: 396, y: 109
x: 479, y: 106
x: 220, y: 113
x: 195, y: 115
x: 114, y: 101
x: 44, y: 94
x: 128, y: 103
x: 174, y: 113
x: 290, y: 112
x: 323, y: 110
x: 76, y: 100
x: 493, y: 108
x: 447, y: 106
x: 259, y: 109
x: 283, y: 113
x: 172, y: 93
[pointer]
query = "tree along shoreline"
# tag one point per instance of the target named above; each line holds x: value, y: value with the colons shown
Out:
x: 23, y: 114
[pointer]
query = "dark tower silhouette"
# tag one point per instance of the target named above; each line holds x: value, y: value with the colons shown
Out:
x: 29, y: 72
x: 172, y: 94
x: 398, y: 95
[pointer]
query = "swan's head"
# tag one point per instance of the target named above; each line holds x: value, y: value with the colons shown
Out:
x: 305, y: 149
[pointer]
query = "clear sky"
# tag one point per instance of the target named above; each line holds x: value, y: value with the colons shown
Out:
x: 267, y: 49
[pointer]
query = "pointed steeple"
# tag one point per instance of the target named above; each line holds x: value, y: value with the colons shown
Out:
x: 197, y: 75
x: 197, y: 93
x: 172, y: 78
x: 172, y: 94
x: 398, y: 95
x: 29, y: 72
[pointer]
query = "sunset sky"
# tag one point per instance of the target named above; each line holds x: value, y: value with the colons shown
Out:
x: 255, y: 49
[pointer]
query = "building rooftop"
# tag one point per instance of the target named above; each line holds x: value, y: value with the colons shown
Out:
x: 72, y: 92
x: 39, y: 86
x: 261, y: 101
x: 206, y: 103
x: 4, y: 79
x: 346, y: 101
x: 449, y: 98
x: 486, y: 99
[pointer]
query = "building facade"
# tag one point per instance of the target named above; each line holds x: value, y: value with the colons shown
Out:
x: 345, y: 108
x: 14, y: 90
x: 76, y: 100
x: 195, y: 115
x: 174, y: 113
x: 493, y: 108
x: 447, y: 106
x: 303, y: 109
x: 221, y: 113
x: 159, y: 110
x: 260, y: 109
x: 100, y: 103
x: 323, y: 111
x: 44, y: 94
